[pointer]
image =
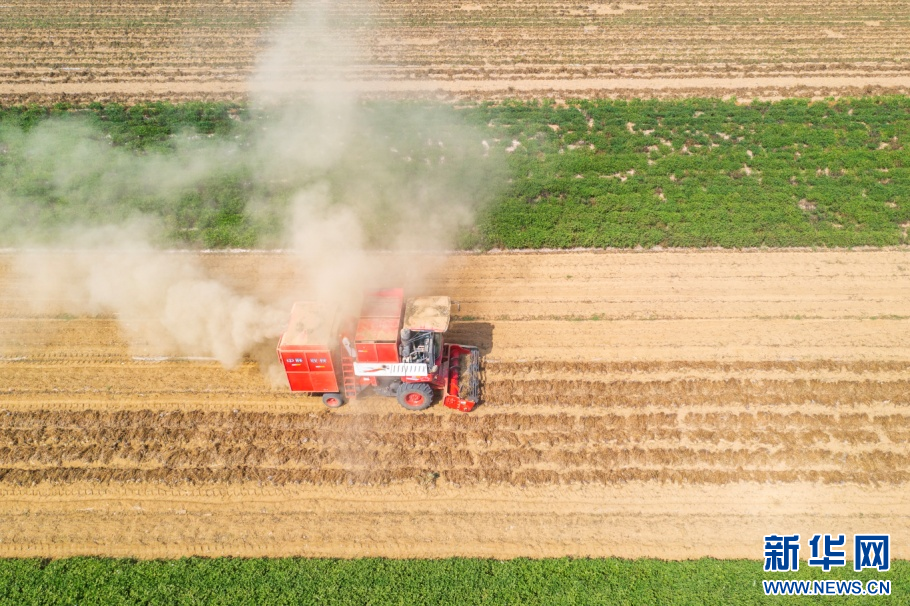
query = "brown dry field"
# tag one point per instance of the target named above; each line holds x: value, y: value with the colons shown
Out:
x: 81, y: 51
x: 671, y: 404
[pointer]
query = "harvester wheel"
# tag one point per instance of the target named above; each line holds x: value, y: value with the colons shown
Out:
x: 332, y: 400
x: 415, y: 396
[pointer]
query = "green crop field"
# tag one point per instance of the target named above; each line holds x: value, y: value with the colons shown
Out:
x: 687, y: 173
x: 704, y: 173
x: 264, y: 582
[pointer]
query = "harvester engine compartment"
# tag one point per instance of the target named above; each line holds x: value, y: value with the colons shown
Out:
x: 421, y: 347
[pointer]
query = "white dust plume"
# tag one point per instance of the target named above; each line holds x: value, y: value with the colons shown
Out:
x: 361, y: 192
x: 163, y: 300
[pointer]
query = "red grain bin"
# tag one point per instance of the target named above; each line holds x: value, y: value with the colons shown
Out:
x: 379, y: 325
x: 308, y: 349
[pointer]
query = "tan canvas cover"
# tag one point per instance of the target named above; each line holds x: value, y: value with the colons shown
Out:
x: 428, y: 313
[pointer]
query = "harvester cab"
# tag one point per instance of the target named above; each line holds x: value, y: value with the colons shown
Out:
x: 397, y: 349
x: 456, y: 368
x: 425, y: 321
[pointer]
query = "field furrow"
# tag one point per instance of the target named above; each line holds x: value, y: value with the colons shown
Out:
x: 74, y: 51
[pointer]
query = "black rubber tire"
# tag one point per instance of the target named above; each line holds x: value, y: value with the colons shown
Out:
x: 415, y: 396
x: 333, y: 400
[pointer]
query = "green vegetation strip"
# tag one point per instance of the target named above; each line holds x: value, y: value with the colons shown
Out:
x: 690, y: 173
x: 381, y: 581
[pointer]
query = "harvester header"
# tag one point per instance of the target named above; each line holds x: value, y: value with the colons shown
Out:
x: 397, y: 348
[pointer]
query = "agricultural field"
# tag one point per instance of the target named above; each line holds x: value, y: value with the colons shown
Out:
x: 678, y: 232
x: 636, y: 404
x: 80, y: 52
x: 598, y: 173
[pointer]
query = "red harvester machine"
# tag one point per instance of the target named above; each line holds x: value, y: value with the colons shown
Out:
x: 393, y: 347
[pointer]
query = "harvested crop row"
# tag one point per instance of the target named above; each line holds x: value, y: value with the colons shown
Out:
x: 249, y: 424
x: 375, y: 449
x: 595, y: 369
x: 456, y: 476
x: 692, y: 392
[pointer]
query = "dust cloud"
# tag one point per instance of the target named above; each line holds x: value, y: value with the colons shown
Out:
x: 361, y: 192
x: 164, y: 302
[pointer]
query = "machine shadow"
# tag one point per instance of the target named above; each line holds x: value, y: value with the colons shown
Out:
x: 475, y: 334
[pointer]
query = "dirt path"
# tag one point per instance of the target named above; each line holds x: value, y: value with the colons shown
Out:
x: 667, y: 404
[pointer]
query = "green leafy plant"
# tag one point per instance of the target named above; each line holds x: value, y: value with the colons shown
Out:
x: 265, y: 582
x: 595, y: 173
